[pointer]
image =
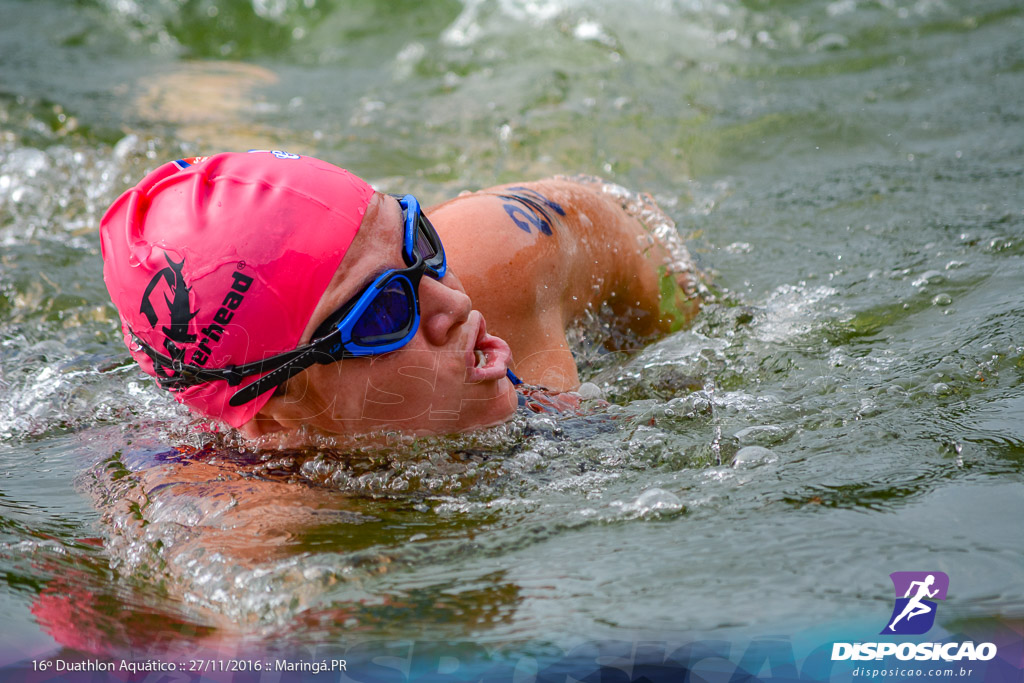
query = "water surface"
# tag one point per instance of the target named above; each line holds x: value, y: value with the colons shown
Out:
x: 848, y: 406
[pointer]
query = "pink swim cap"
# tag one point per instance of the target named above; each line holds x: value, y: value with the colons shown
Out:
x: 218, y: 261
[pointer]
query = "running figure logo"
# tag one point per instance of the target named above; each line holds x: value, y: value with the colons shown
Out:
x: 914, y: 612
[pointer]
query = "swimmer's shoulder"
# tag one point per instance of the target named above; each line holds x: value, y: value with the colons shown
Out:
x: 536, y: 225
x: 527, y: 213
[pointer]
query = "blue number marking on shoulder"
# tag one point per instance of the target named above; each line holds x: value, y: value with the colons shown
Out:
x: 539, y: 200
x: 518, y: 214
x: 538, y: 215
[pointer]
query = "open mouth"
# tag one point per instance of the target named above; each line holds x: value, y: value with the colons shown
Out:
x: 488, y: 359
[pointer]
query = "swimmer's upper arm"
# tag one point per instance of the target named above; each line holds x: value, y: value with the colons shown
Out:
x: 561, y: 234
x: 607, y: 255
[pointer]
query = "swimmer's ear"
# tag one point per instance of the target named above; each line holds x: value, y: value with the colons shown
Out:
x: 273, y: 415
x: 261, y: 425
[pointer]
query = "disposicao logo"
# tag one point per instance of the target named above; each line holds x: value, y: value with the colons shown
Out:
x: 914, y: 614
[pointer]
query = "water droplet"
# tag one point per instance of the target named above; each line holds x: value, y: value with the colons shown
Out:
x: 753, y: 455
x: 654, y: 501
x: 929, y: 277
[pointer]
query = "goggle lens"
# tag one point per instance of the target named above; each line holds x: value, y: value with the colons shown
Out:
x: 389, y: 315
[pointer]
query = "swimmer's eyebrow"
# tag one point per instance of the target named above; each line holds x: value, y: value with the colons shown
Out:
x: 338, y: 278
x: 374, y: 207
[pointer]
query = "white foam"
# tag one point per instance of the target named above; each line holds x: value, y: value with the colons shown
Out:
x: 792, y: 310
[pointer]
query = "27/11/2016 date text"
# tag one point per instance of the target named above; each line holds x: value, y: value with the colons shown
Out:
x: 230, y: 665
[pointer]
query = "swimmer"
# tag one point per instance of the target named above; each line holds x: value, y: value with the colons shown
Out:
x: 279, y: 293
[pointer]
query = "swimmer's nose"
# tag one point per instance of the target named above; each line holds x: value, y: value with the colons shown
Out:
x: 443, y: 308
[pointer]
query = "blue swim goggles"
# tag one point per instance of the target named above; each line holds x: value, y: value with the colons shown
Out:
x: 382, y: 317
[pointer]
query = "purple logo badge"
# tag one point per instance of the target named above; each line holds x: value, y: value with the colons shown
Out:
x: 914, y: 612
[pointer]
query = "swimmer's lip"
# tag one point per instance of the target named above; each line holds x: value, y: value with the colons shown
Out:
x: 495, y: 348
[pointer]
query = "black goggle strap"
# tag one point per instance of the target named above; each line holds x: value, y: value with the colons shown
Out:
x: 187, y: 375
x: 277, y: 377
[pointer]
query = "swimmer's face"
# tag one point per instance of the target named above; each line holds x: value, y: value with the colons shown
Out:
x: 450, y: 377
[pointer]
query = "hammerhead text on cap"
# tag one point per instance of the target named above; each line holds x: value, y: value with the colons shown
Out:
x: 212, y: 332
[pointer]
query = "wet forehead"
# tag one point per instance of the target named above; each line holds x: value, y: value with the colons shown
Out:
x: 376, y: 247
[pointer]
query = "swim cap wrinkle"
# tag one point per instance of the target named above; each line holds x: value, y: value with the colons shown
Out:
x: 218, y: 261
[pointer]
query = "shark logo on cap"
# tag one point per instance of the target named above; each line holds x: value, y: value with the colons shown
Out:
x: 179, y: 312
